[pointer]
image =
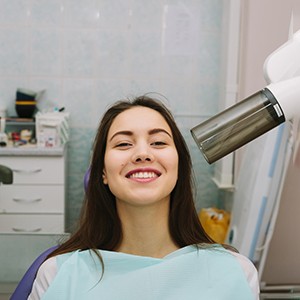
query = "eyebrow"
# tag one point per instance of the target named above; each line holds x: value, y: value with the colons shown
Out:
x: 150, y: 132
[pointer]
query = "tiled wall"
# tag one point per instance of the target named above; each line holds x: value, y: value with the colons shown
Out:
x: 89, y: 53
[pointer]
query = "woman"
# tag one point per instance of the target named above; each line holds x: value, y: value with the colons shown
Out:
x: 140, y: 222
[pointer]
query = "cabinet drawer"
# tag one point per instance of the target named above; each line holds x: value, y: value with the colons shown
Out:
x: 40, y: 170
x: 11, y: 223
x: 31, y: 199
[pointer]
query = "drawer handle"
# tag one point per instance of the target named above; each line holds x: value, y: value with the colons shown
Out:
x: 26, y: 230
x: 27, y: 200
x: 27, y: 171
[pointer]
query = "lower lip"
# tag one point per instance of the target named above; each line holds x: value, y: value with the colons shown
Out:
x: 143, y: 180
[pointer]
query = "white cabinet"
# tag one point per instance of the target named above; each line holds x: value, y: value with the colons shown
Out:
x: 35, y: 202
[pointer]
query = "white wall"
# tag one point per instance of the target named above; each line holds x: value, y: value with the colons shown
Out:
x: 90, y: 53
x: 265, y: 26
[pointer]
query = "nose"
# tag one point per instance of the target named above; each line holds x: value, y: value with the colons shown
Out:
x: 142, y: 158
x: 142, y: 154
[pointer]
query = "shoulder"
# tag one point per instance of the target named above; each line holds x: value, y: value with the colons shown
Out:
x: 249, y: 269
x: 44, y: 277
x: 47, y: 273
x: 223, y: 258
x: 246, y: 264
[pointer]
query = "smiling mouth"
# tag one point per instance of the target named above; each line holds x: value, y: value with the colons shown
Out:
x: 143, y: 175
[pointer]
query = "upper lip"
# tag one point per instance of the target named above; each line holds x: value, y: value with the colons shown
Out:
x: 143, y: 170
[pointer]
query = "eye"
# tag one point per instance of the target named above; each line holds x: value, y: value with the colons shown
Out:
x: 123, y: 145
x: 158, y: 143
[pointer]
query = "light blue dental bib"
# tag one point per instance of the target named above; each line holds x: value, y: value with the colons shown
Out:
x: 188, y: 273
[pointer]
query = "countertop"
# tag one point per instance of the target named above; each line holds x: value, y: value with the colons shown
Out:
x: 32, y: 150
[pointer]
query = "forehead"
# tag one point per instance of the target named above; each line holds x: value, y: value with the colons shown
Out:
x: 137, y: 119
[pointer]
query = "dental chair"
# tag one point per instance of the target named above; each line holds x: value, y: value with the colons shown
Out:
x: 6, y: 175
x: 24, y: 287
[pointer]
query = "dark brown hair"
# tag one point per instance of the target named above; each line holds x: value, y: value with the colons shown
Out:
x: 100, y: 227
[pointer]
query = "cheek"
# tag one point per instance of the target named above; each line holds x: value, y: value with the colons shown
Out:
x: 176, y: 164
x: 172, y: 161
x: 113, y: 164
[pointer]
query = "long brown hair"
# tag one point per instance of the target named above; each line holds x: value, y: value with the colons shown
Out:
x: 99, y: 225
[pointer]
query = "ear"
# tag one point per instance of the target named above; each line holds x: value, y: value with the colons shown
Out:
x: 104, y: 178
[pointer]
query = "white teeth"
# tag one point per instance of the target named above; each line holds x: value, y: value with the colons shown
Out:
x: 143, y: 175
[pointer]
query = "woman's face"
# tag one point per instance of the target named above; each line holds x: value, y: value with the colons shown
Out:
x: 141, y: 160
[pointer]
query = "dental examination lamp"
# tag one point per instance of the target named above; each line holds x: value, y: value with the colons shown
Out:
x: 248, y: 119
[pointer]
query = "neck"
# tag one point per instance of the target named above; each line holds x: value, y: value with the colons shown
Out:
x: 146, y: 232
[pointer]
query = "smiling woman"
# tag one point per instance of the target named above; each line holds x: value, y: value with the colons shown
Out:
x: 140, y: 163
x: 140, y: 221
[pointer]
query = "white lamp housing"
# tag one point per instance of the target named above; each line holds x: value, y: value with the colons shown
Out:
x: 248, y: 119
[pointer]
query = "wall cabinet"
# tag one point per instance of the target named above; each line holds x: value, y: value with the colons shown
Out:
x: 35, y: 202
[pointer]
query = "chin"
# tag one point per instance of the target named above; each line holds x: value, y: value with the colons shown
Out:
x: 143, y: 200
